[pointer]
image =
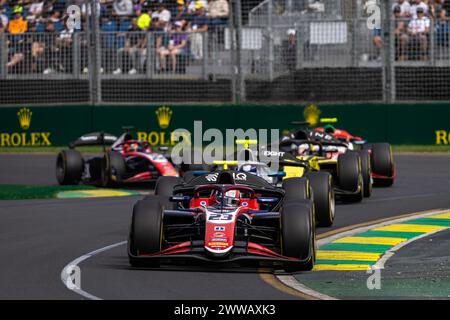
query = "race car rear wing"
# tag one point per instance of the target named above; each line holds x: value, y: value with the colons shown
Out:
x: 94, y: 139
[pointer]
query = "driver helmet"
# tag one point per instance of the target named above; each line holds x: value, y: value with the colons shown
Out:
x: 329, y: 129
x: 231, y: 198
x: 303, y: 149
x: 133, y: 147
x: 248, y: 168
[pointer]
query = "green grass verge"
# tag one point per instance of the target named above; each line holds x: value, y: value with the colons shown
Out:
x: 18, y: 192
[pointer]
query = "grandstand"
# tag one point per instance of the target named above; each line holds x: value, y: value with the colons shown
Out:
x: 186, y: 51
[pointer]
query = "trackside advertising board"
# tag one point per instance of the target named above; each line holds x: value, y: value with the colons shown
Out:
x: 41, y: 126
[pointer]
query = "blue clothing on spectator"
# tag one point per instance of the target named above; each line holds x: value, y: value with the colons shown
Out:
x: 108, y: 40
x: 199, y: 21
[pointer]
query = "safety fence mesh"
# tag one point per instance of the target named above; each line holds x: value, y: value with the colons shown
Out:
x: 272, y: 51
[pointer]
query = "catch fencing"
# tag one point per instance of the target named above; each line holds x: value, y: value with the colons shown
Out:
x: 273, y: 51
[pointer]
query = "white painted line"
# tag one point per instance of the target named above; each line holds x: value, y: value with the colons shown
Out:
x: 290, y: 281
x: 71, y: 265
x: 388, y: 254
x: 293, y: 283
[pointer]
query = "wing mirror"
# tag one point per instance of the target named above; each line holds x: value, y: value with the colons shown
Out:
x: 277, y: 174
x: 266, y: 200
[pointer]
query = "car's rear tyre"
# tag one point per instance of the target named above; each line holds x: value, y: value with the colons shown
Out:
x: 298, y: 234
x: 383, y: 163
x: 146, y: 232
x: 323, y: 197
x: 113, y: 169
x: 296, y: 189
x: 69, y: 167
x: 164, y: 190
x: 366, y: 171
x: 350, y: 177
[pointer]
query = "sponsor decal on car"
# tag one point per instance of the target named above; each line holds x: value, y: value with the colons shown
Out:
x: 219, y: 240
x: 219, y: 235
x: 238, y: 176
x: 219, y: 228
x: 218, y: 244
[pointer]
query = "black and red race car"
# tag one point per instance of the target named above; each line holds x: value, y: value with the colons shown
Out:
x: 381, y: 156
x: 224, y: 217
x: 126, y: 161
x: 337, y: 141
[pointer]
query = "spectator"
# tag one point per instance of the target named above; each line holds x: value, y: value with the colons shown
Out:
x: 291, y: 50
x: 50, y: 50
x: 130, y: 56
x: 64, y: 46
x: 182, y: 13
x: 109, y: 27
x: 194, y: 3
x: 17, y: 25
x: 441, y: 19
x: 123, y: 8
x: 415, y: 4
x: 405, y: 7
x: 400, y: 31
x: 418, y: 30
x: 218, y: 12
x: 3, y: 17
x: 144, y: 18
x: 198, y: 25
x: 177, y: 47
x: 163, y: 16
x: 35, y: 10
x: 438, y: 11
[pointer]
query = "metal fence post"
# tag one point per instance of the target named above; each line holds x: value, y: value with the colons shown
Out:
x: 205, y: 50
x: 432, y: 42
x: 354, y: 25
x: 3, y: 55
x: 239, y: 43
x: 271, y: 44
x: 76, y: 55
x: 388, y: 54
x: 95, y: 55
x: 233, y: 65
x: 150, y: 68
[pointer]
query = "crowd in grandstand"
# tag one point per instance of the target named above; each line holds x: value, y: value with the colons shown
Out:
x: 413, y: 21
x: 39, y: 32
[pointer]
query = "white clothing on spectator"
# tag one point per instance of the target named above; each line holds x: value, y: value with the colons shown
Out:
x: 419, y: 25
x: 123, y: 7
x: 405, y: 7
x: 4, y: 20
x: 36, y: 7
x: 414, y: 7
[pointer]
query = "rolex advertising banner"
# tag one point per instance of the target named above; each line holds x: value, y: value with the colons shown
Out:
x: 39, y: 126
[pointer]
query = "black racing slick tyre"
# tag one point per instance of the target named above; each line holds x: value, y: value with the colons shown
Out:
x: 366, y: 172
x: 323, y: 197
x: 383, y: 163
x: 164, y: 190
x: 298, y: 237
x: 296, y: 189
x: 146, y: 232
x: 350, y: 177
x: 113, y: 169
x: 69, y: 167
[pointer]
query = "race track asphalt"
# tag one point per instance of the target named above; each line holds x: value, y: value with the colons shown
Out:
x: 39, y: 237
